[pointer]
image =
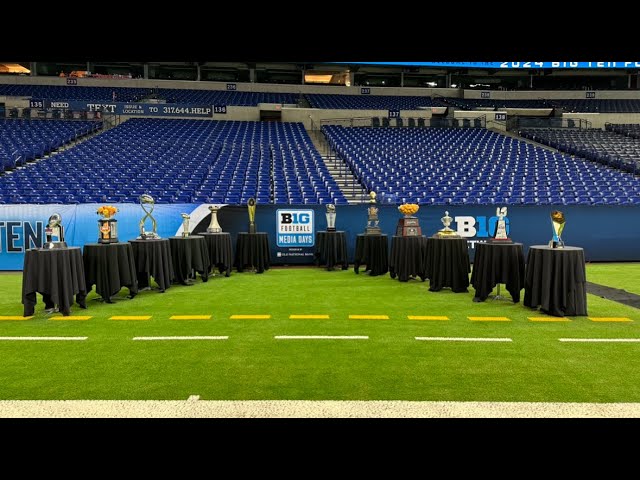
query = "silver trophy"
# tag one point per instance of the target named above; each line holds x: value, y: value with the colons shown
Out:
x: 147, y: 200
x: 214, y: 226
x: 185, y: 224
x: 331, y: 217
x: 54, y: 233
x: 447, y: 231
x: 500, y: 234
x: 372, y: 219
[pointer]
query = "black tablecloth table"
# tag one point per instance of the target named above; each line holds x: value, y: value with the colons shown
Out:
x: 220, y: 251
x: 252, y: 250
x: 373, y: 252
x: 153, y: 259
x: 447, y: 264
x: 189, y: 255
x: 58, y: 275
x: 331, y: 250
x: 110, y: 266
x: 407, y: 257
x: 496, y: 263
x: 555, y: 280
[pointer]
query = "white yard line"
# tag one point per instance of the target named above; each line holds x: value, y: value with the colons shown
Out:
x: 182, y: 338
x: 44, y: 339
x: 463, y: 339
x: 600, y: 340
x: 321, y: 337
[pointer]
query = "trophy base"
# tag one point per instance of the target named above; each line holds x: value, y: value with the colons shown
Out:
x: 408, y: 227
x: 108, y: 240
x: 252, y: 229
x: 331, y: 229
x: 500, y: 240
x: 409, y: 232
x: 447, y: 233
x: 149, y: 236
x: 107, y: 230
x: 373, y: 231
x: 54, y: 245
x: 214, y: 230
x: 554, y: 244
x: 185, y: 234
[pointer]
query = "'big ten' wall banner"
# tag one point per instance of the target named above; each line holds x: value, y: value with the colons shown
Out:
x: 22, y: 226
x: 607, y: 233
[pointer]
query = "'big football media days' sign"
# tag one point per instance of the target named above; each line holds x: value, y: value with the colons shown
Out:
x: 295, y: 228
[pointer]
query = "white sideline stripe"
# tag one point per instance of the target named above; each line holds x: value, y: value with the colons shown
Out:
x: 463, y: 339
x: 47, y: 339
x: 309, y: 409
x: 601, y: 340
x: 182, y: 338
x: 321, y: 337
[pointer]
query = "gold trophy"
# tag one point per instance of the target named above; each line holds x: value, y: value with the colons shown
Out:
x: 408, y: 226
x: 107, y: 225
x: 557, y: 222
x: 447, y: 231
x: 251, y: 206
x: 372, y: 219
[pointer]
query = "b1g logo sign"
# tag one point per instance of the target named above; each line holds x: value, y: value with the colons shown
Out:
x: 478, y: 227
x: 295, y: 228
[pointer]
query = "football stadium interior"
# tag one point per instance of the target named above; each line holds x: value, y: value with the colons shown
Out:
x: 215, y: 232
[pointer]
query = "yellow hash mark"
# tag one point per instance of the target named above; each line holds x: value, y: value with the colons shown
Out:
x: 14, y: 317
x: 610, y: 319
x: 368, y: 317
x: 190, y: 317
x: 130, y: 317
x: 548, y: 319
x: 426, y: 317
x: 71, y: 317
x: 246, y: 317
x: 489, y: 319
x: 324, y: 317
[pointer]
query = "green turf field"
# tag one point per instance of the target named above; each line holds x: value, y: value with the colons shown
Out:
x: 389, y: 365
x: 617, y: 275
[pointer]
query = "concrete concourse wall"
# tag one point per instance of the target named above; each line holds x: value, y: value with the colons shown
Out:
x: 551, y: 94
x: 307, y: 115
x: 240, y: 87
